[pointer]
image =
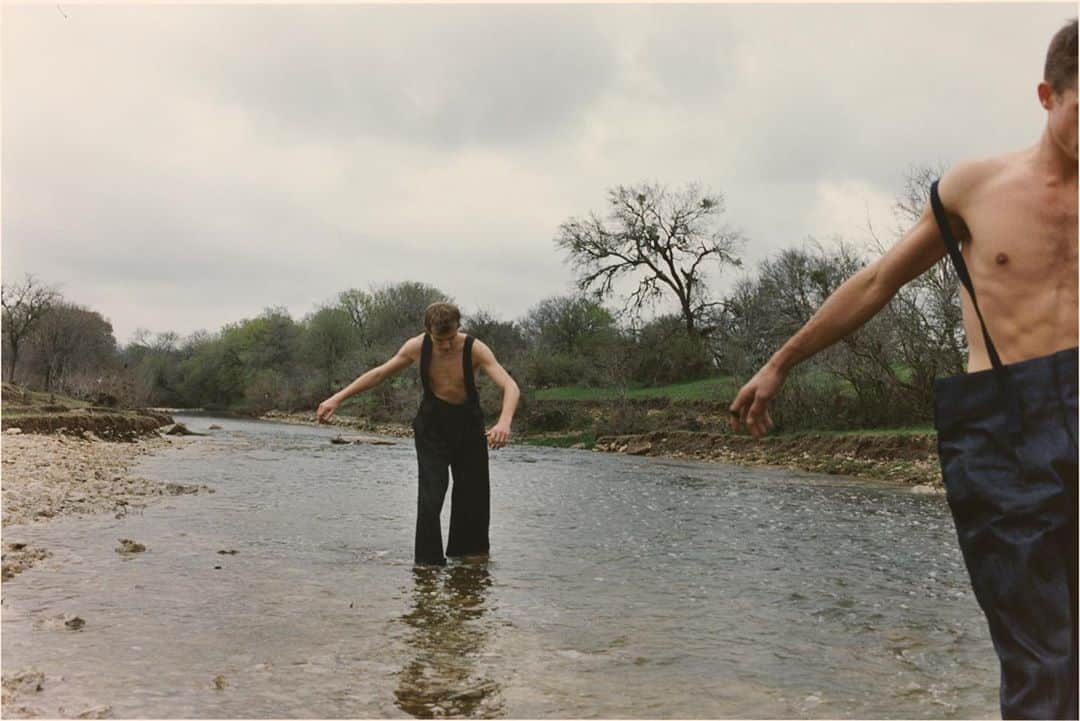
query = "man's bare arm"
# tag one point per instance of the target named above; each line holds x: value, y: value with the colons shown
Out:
x: 852, y: 304
x: 405, y: 357
x: 500, y: 432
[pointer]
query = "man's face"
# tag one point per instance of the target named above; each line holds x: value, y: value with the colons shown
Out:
x: 1061, y: 118
x: 444, y: 342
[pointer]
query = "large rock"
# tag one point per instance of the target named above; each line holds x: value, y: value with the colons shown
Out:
x: 179, y: 429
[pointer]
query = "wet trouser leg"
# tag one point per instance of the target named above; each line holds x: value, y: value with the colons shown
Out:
x: 470, y: 500
x: 432, y: 458
x: 450, y: 437
x: 1014, y: 504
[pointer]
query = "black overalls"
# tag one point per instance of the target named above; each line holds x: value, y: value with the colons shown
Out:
x: 451, y: 436
x: 1007, y: 442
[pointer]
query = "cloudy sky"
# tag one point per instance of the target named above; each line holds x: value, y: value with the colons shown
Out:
x: 180, y: 167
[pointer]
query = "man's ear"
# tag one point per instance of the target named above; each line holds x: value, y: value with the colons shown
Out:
x: 1046, y: 95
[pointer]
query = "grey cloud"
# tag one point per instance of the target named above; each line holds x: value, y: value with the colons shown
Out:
x: 445, y: 76
x: 237, y: 157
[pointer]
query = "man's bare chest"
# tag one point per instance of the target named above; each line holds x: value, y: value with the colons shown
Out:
x: 1023, y: 236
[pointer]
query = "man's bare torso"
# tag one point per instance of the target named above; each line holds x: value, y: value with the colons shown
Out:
x: 446, y: 375
x: 1020, y: 244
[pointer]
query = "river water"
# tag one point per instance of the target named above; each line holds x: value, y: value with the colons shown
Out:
x: 617, y: 587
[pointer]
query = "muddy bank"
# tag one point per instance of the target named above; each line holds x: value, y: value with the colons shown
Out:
x: 45, y: 476
x: 902, y: 458
x: 107, y: 424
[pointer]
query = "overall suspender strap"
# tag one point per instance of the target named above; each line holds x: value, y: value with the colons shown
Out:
x: 466, y: 363
x: 425, y: 363
x: 1000, y: 372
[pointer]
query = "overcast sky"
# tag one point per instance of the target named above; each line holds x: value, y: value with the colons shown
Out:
x: 181, y: 167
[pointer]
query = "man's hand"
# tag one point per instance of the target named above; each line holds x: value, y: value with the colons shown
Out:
x: 751, y: 406
x: 326, y: 409
x: 499, y: 435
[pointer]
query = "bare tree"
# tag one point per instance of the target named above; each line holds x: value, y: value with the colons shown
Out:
x: 925, y: 313
x: 24, y: 305
x: 70, y: 339
x: 663, y: 239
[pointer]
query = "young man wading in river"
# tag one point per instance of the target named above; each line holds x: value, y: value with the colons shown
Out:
x: 448, y: 430
x: 1006, y: 428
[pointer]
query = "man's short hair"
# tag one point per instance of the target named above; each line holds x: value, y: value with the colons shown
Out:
x: 441, y: 318
x: 1060, y: 69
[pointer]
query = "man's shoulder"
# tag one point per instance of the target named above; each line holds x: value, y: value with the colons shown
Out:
x: 479, y: 347
x: 972, y: 176
x: 412, y: 346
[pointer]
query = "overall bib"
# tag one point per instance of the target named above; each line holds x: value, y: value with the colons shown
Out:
x: 448, y: 437
x: 1007, y: 443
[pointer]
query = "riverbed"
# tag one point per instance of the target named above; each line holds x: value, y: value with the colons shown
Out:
x: 617, y: 586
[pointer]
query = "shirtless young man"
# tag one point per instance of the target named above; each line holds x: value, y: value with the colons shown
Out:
x: 1007, y: 428
x: 448, y: 430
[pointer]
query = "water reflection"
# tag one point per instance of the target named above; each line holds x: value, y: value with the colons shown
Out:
x: 443, y: 676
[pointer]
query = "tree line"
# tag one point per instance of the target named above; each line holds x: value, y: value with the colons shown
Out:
x: 652, y: 245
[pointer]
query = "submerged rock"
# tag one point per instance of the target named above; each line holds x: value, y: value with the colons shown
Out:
x: 357, y: 440
x: 179, y: 429
x: 128, y: 546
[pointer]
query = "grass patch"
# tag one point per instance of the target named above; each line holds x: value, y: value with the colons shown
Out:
x: 706, y: 389
x: 16, y: 399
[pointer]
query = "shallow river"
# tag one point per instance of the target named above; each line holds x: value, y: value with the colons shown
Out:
x: 617, y: 587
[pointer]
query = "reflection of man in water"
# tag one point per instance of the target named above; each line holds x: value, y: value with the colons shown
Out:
x: 1006, y: 429
x: 449, y: 632
x: 448, y: 430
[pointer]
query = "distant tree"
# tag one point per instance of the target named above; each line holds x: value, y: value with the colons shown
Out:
x: 568, y: 324
x: 24, y: 304
x: 664, y: 353
x: 504, y: 337
x: 394, y: 313
x: 70, y: 339
x: 663, y: 240
x: 568, y: 336
x: 355, y: 304
x: 330, y: 338
x: 925, y: 313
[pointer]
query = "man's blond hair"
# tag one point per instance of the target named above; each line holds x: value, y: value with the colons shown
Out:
x: 442, y: 318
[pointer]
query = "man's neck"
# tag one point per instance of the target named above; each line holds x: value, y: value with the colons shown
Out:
x: 1050, y: 161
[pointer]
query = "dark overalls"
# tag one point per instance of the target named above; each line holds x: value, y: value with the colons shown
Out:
x: 451, y: 436
x: 1007, y: 442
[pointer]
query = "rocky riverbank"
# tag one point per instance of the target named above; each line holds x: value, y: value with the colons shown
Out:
x: 907, y: 458
x: 46, y: 476
x: 901, y: 457
x: 351, y: 422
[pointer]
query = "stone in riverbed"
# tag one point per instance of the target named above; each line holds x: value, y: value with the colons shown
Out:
x: 357, y: 440
x: 23, y: 682
x: 179, y: 429
x: 128, y: 546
